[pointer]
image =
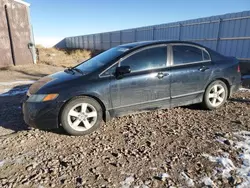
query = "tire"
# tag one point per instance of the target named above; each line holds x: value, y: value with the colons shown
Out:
x: 214, y: 98
x: 81, y: 116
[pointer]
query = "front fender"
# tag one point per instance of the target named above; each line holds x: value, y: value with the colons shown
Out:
x: 99, y: 98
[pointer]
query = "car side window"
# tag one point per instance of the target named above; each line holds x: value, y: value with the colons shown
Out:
x: 187, y: 54
x: 147, y: 59
x: 110, y: 71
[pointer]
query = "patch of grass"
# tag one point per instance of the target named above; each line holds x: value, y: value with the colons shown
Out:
x: 62, y: 58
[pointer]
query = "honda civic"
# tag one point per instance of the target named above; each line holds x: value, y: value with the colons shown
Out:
x: 131, y: 78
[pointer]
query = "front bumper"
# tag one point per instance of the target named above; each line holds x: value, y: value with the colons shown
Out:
x: 42, y: 115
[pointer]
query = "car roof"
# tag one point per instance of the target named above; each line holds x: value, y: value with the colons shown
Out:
x: 155, y: 42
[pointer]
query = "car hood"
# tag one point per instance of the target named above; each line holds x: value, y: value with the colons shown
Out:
x: 52, y: 81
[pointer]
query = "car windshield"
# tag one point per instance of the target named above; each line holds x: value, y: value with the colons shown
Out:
x: 101, y: 59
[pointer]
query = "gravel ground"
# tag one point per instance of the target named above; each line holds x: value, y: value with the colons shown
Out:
x: 161, y: 148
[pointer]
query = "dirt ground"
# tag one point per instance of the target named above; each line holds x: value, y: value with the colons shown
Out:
x: 179, y: 147
x: 162, y: 148
x: 28, y: 72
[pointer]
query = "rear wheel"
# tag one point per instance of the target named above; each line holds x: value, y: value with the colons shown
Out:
x: 82, y: 115
x: 215, y: 95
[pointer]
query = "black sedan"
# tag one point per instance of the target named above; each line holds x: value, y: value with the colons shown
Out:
x: 131, y: 78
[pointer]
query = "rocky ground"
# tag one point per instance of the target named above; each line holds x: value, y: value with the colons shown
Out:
x: 179, y: 147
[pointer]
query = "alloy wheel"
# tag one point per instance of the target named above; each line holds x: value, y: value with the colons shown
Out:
x: 82, y: 117
x: 216, y: 95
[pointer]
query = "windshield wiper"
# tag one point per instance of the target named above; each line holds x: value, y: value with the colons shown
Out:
x: 75, y: 69
x: 78, y: 70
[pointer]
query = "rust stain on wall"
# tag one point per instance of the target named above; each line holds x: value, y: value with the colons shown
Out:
x: 14, y: 34
x: 5, y: 49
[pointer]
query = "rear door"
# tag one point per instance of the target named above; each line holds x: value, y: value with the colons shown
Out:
x: 191, y: 68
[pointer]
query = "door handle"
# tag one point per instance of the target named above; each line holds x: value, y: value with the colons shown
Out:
x: 160, y: 75
x: 203, y: 68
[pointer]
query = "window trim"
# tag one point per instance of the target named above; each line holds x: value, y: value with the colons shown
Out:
x: 104, y: 76
x: 170, y: 57
x: 168, y: 60
x: 185, y: 44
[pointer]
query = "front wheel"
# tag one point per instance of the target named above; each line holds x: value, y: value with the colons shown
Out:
x: 215, y: 95
x: 81, y: 115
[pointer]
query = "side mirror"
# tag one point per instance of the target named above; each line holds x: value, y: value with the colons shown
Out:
x: 122, y: 70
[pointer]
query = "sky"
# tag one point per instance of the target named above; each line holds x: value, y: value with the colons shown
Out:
x: 54, y: 20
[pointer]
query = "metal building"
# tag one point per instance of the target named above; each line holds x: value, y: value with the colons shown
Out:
x: 228, y: 34
x: 16, y: 35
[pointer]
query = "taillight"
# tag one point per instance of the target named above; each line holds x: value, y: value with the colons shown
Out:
x: 238, y: 69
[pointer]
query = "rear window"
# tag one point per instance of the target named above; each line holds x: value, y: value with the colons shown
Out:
x: 205, y: 56
x: 216, y: 56
x: 186, y: 54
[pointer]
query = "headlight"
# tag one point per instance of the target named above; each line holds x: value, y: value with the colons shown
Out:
x: 42, y: 97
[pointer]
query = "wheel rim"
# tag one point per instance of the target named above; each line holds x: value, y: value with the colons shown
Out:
x: 216, y: 95
x: 82, y: 117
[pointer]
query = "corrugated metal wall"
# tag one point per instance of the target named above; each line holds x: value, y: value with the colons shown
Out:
x: 228, y: 34
x: 15, y: 34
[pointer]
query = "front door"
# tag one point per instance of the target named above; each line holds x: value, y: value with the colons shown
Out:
x: 147, y: 86
x: 190, y: 71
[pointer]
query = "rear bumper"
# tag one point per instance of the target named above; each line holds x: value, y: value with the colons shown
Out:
x: 235, y: 83
x: 246, y: 81
x: 42, y: 115
x: 234, y: 88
